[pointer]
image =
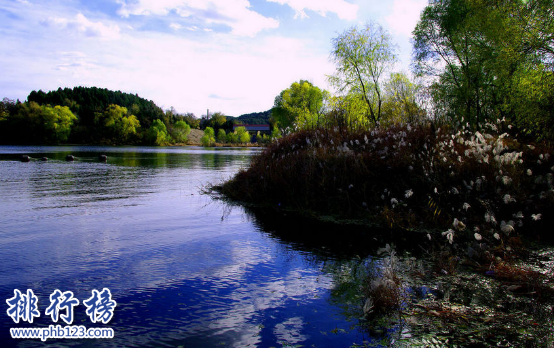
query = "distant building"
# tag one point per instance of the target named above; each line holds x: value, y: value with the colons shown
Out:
x: 254, y: 128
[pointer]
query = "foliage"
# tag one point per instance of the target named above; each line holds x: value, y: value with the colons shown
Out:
x: 232, y: 138
x: 208, y: 139
x: 347, y: 112
x: 400, y: 103
x: 101, y: 116
x: 7, y: 106
x: 221, y: 136
x: 363, y: 57
x: 275, y: 134
x: 31, y: 123
x: 116, y: 124
x: 191, y: 120
x: 57, y: 122
x: 180, y: 131
x: 299, y: 106
x: 489, y: 61
x: 157, y: 133
x: 88, y: 101
x: 263, y: 138
x: 242, y: 135
x: 216, y: 121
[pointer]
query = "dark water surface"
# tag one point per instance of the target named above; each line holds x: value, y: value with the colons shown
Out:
x: 185, y: 269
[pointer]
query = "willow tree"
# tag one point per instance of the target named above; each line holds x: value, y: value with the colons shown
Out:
x: 363, y: 58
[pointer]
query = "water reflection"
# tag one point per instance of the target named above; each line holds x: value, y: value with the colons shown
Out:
x: 182, y: 275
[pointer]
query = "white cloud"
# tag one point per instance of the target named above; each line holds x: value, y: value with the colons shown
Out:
x: 175, y: 26
x: 82, y: 25
x: 343, y: 9
x: 245, y: 74
x: 233, y: 13
x: 290, y: 331
x: 405, y: 15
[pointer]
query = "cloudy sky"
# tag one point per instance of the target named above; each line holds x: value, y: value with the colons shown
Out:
x: 232, y: 56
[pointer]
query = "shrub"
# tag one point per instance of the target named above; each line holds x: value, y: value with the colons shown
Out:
x: 208, y: 139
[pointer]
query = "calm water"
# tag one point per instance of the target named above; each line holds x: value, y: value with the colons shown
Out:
x: 186, y: 270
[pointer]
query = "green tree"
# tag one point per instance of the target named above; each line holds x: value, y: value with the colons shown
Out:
x: 208, y: 139
x: 180, y: 131
x: 7, y: 107
x: 116, y: 124
x: 57, y: 122
x: 27, y: 123
x: 348, y: 112
x: 232, y: 138
x: 362, y: 58
x: 483, y: 55
x: 221, y: 136
x: 300, y: 105
x: 33, y: 123
x: 242, y: 135
x: 216, y: 120
x: 275, y: 134
x: 157, y: 133
x: 192, y: 121
x: 401, y: 100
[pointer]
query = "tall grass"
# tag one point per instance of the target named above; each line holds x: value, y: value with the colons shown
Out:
x: 469, y: 185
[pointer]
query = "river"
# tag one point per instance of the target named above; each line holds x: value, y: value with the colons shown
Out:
x: 185, y: 269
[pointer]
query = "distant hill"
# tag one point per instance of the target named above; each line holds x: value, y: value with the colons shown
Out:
x: 255, y: 117
x: 86, y: 101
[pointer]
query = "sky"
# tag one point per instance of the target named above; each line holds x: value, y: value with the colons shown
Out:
x: 232, y: 56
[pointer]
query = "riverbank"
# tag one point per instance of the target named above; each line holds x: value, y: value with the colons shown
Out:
x: 479, y: 200
x: 196, y: 134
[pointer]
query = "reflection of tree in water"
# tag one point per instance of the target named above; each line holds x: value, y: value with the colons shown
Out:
x: 76, y: 183
x: 328, y: 240
x: 370, y: 283
x: 125, y: 174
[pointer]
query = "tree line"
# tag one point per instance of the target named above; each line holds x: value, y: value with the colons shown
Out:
x: 474, y: 61
x: 91, y: 115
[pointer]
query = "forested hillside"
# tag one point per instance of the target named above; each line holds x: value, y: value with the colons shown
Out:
x: 86, y: 101
x: 255, y: 118
x: 90, y: 115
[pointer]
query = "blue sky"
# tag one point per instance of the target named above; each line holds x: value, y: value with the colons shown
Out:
x: 232, y: 56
